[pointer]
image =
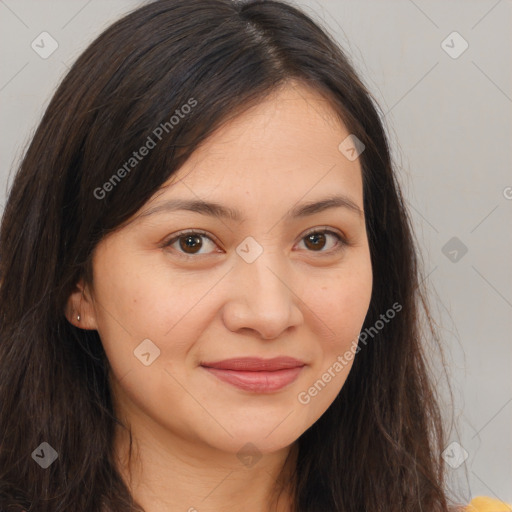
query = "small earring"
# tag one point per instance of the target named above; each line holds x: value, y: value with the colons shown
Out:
x: 78, y: 317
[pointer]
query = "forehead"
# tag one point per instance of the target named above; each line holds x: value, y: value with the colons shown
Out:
x: 285, y: 147
x: 277, y: 160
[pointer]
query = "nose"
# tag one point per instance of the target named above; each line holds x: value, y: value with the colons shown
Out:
x: 262, y: 298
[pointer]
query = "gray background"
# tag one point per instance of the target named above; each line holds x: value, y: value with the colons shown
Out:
x: 451, y: 130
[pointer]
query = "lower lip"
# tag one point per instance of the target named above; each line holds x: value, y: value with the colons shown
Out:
x: 257, y: 382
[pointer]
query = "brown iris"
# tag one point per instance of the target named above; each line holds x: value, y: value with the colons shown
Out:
x: 315, y: 239
x: 189, y: 243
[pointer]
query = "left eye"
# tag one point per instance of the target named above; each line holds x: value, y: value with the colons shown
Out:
x: 318, y: 240
x: 191, y: 243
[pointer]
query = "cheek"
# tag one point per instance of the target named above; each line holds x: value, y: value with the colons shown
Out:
x: 342, y: 303
x: 137, y: 302
x: 148, y: 306
x: 340, y: 307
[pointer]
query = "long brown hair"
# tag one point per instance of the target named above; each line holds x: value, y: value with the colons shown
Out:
x: 378, y: 446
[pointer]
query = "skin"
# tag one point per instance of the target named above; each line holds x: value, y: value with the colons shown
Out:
x: 296, y: 299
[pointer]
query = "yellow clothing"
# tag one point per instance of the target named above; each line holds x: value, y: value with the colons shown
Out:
x: 484, y: 504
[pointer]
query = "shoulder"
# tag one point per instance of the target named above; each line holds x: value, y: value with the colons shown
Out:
x: 484, y: 504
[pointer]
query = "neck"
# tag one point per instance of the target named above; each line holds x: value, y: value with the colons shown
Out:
x: 167, y: 472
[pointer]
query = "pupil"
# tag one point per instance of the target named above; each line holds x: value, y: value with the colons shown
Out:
x: 189, y: 242
x: 314, y: 237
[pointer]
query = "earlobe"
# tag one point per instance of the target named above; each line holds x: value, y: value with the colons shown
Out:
x: 79, y: 310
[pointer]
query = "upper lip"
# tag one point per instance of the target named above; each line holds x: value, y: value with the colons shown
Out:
x: 255, y: 364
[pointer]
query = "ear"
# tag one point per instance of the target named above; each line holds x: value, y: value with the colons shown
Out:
x: 81, y: 304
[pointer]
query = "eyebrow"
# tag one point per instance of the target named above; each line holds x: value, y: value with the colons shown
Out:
x: 218, y: 210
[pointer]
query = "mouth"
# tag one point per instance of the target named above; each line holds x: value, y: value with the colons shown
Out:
x: 255, y: 374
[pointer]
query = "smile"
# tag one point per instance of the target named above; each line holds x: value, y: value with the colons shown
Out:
x: 257, y: 382
x: 256, y: 375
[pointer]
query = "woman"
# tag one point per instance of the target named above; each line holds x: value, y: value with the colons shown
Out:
x: 209, y: 290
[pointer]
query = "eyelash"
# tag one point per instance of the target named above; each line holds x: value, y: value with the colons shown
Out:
x: 342, y: 241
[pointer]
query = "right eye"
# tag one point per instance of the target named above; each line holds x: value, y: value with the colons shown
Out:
x: 189, y: 243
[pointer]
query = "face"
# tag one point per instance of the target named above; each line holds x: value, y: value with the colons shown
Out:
x: 182, y: 298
